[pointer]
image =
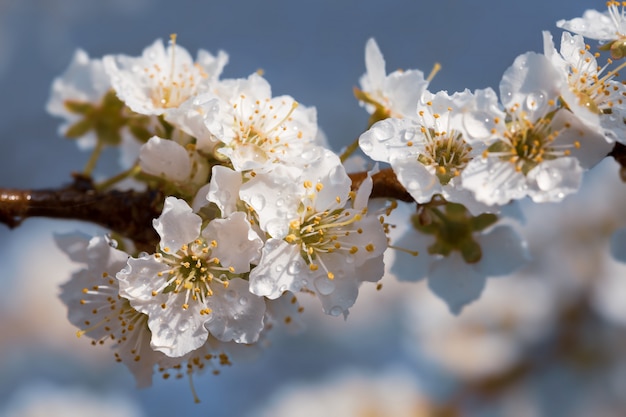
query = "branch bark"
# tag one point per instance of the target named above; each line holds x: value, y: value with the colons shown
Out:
x: 128, y: 213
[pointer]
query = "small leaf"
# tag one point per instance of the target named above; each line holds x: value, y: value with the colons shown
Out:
x: 471, y: 251
x: 78, y: 107
x: 483, y: 221
x: 79, y: 129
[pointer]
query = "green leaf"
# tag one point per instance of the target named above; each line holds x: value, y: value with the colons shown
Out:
x: 78, y: 107
x: 79, y: 129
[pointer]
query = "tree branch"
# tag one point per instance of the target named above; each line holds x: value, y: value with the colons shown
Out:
x: 128, y: 213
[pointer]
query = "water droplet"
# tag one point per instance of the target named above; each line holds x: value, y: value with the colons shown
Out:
x: 279, y: 268
x: 336, y: 311
x: 263, y: 285
x: 258, y: 202
x: 409, y: 134
x: 478, y: 124
x: 338, y: 175
x: 223, y: 195
x: 294, y: 268
x: 324, y: 285
x: 229, y: 295
x: 243, y: 301
x: 280, y: 202
x: 277, y: 228
x: 349, y: 259
x: 365, y: 142
x: 282, y: 288
x: 183, y: 325
x: 383, y: 131
x: 412, y: 185
x: 536, y: 101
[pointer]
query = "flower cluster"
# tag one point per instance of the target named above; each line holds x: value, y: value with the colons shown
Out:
x: 467, y: 157
x: 255, y: 208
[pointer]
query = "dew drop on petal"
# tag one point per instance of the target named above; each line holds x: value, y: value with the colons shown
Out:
x: 280, y: 202
x: 183, y: 326
x: 336, y: 311
x: 478, y: 124
x: 294, y: 268
x: 337, y: 175
x: 282, y: 288
x: 243, y: 301
x: 263, y: 285
x: 229, y: 295
x: 223, y: 195
x: 536, y: 101
x: 365, y: 142
x: 258, y: 202
x: 412, y: 185
x: 383, y: 131
x: 279, y: 268
x: 277, y: 228
x: 324, y: 286
x: 409, y: 134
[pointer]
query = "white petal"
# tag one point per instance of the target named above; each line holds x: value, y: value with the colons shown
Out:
x: 237, y: 314
x: 237, y: 244
x: 281, y: 269
x: 455, y: 282
x: 504, y: 251
x: 166, y: 158
x: 618, y: 245
x: 177, y: 225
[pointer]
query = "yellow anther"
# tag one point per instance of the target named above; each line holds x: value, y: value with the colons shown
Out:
x: 313, y: 267
x: 369, y: 247
x: 319, y: 186
x: 330, y: 275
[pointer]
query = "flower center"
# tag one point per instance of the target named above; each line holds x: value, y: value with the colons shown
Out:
x: 260, y: 126
x: 598, y: 94
x: 447, y: 153
x: 170, y: 88
x: 324, y: 232
x: 445, y: 150
x: 527, y: 144
x: 192, y: 271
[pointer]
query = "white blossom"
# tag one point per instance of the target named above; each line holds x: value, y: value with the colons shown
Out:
x: 541, y: 150
x: 257, y: 129
x: 429, y: 150
x: 315, y: 240
x: 395, y: 94
x: 607, y: 26
x: 590, y: 91
x: 192, y: 287
x: 162, y: 78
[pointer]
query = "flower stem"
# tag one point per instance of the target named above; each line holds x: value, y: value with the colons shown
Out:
x: 93, y: 159
x: 131, y: 172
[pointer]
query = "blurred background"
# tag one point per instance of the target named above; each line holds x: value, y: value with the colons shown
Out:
x: 549, y: 341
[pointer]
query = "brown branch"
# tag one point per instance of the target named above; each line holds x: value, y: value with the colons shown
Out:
x: 128, y: 213
x: 386, y: 185
x: 619, y: 154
